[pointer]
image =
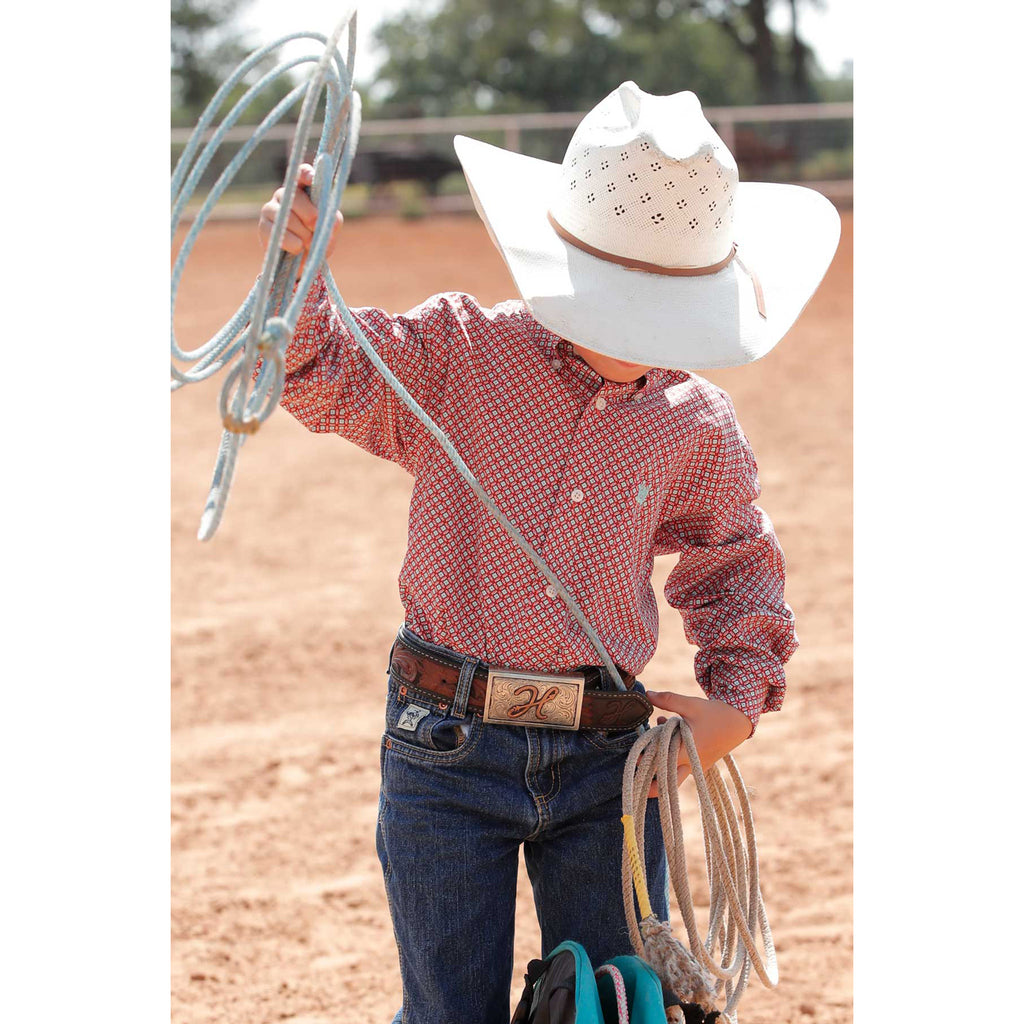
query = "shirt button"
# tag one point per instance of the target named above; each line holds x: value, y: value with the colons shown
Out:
x: 600, y: 402
x: 550, y: 590
x: 556, y: 364
x: 577, y: 495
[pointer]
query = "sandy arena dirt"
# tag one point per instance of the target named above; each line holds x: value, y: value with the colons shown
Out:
x: 282, y: 624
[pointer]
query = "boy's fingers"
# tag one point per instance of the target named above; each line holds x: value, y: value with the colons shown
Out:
x: 292, y: 243
x: 296, y: 226
x: 338, y: 221
x: 304, y: 210
x: 302, y: 206
x: 295, y: 231
x: 674, y: 701
x: 301, y: 218
x: 266, y: 222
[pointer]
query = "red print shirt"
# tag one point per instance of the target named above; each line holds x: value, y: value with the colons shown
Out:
x: 599, y: 476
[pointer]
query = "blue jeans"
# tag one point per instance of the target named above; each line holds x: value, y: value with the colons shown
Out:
x: 455, y: 805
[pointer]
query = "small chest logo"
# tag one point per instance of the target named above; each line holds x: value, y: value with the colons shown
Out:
x: 642, y: 493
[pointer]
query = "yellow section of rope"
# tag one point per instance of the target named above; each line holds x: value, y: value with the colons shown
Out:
x: 737, y: 911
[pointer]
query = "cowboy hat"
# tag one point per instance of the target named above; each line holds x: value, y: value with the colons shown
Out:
x: 644, y: 245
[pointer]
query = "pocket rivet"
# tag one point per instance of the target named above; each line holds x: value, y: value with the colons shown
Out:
x: 402, y: 690
x: 442, y: 707
x: 387, y: 743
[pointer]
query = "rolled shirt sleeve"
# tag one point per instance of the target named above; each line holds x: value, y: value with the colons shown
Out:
x: 729, y: 581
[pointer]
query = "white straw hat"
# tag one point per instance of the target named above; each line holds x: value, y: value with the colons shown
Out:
x: 644, y: 245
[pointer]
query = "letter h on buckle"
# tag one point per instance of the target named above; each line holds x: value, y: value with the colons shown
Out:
x: 533, y: 699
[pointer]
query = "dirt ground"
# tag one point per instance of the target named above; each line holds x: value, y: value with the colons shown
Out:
x: 282, y: 623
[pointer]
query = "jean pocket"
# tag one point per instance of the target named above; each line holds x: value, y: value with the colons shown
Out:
x: 612, y: 739
x: 423, y: 726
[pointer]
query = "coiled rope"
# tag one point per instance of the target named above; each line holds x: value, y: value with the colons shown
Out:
x: 261, y: 327
x: 263, y: 324
x: 737, y: 911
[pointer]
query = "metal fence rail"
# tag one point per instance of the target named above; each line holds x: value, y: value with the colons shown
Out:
x: 724, y: 120
x: 740, y: 128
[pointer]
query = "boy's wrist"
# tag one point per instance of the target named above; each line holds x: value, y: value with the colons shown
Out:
x: 738, y: 721
x: 718, y: 727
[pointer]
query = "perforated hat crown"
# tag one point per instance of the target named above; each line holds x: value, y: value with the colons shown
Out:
x: 646, y: 178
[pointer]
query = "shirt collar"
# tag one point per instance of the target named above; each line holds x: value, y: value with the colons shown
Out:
x: 560, y: 350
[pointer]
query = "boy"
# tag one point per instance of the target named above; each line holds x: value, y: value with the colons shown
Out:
x: 576, y: 410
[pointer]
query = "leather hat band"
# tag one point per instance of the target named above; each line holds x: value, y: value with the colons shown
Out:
x: 657, y: 268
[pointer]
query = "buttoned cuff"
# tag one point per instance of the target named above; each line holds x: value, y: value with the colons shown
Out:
x: 750, y: 684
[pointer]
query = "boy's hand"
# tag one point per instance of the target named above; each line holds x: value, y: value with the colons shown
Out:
x: 717, y: 728
x: 301, y: 221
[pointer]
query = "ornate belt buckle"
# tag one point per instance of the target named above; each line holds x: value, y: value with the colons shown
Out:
x: 533, y: 699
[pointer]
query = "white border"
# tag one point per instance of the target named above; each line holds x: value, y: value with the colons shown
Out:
x: 85, y: 737
x: 937, y: 466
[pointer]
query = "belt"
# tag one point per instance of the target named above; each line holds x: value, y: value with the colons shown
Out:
x: 512, y: 697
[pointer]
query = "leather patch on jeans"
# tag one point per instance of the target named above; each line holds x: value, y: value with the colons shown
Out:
x: 533, y: 699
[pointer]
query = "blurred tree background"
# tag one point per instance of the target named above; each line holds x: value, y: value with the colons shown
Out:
x: 492, y: 56
x: 468, y: 56
x: 206, y: 46
x: 454, y: 57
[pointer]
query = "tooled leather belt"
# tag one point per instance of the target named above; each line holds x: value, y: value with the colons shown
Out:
x: 512, y: 697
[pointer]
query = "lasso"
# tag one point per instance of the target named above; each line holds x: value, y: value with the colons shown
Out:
x: 738, y: 914
x: 264, y: 323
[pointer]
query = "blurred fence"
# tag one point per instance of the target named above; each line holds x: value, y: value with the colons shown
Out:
x: 409, y: 166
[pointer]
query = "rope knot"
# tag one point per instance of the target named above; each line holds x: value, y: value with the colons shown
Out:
x: 276, y: 335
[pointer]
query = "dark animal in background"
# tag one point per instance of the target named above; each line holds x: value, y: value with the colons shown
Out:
x: 380, y: 166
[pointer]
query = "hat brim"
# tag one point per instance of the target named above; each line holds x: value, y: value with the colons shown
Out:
x: 786, y: 234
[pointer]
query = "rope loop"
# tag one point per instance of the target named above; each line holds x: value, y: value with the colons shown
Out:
x: 257, y: 335
x: 737, y: 913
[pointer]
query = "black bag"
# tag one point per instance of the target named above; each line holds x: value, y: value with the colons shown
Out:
x: 549, y: 995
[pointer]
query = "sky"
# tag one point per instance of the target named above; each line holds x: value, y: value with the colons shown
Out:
x: 271, y: 19
x: 829, y: 32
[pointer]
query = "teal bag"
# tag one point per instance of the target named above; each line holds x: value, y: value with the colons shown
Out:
x: 644, y: 995
x: 560, y: 989
x: 563, y: 988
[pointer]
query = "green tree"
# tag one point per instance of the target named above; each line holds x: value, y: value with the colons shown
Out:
x: 206, y: 46
x: 783, y: 65
x: 471, y: 55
